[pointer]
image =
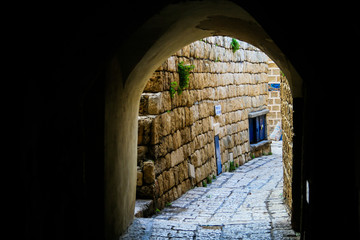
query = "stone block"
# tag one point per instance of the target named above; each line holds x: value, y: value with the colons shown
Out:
x: 222, y: 92
x: 216, y: 127
x: 167, y: 160
x: 176, y: 139
x: 185, y: 135
x: 160, y: 184
x: 143, y: 107
x: 185, y: 169
x: 178, y: 118
x: 165, y: 101
x: 155, y: 83
x: 198, y: 175
x: 139, y: 181
x: 155, y: 131
x: 204, y: 156
x: 242, y: 160
x: 146, y: 191
x: 209, y: 170
x: 211, y: 93
x: 187, y: 150
x: 205, y: 125
x: 154, y: 103
x: 160, y: 165
x: 196, y: 158
x: 181, y: 172
x: 171, y: 178
x: 149, y: 172
x: 195, y: 129
x: 172, y: 64
x: 142, y: 151
x: 203, y: 172
x: 144, y: 130
x: 177, y: 157
x: 179, y: 190
x: 176, y: 174
x: 166, y: 177
x: 165, y: 145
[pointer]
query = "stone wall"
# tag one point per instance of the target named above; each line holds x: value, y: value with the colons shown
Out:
x: 274, y: 102
x: 176, y: 135
x: 288, y: 132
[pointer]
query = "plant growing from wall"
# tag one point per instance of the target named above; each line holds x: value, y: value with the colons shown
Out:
x: 232, y: 167
x: 208, y: 178
x: 184, y: 73
x: 204, y: 183
x: 235, y: 45
x: 173, y: 87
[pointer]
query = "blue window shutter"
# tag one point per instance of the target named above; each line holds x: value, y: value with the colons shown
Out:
x: 251, y: 130
x: 218, y: 154
x: 262, y: 127
x: 257, y: 137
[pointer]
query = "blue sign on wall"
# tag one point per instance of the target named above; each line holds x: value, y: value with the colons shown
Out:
x: 273, y: 87
x: 218, y: 154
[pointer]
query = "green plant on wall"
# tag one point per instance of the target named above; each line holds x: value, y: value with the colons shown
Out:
x: 184, y: 73
x: 235, y: 45
x: 232, y: 167
x: 173, y: 87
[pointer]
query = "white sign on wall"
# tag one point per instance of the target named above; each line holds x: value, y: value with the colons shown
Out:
x: 217, y: 110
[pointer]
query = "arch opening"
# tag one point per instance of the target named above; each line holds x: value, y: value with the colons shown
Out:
x: 127, y: 78
x: 169, y: 125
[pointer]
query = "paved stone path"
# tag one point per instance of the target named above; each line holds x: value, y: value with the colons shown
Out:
x: 244, y: 204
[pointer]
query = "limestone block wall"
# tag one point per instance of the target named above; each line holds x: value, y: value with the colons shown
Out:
x: 176, y: 149
x: 274, y: 100
x: 288, y: 132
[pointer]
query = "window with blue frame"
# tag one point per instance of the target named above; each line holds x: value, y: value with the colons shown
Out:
x: 257, y: 126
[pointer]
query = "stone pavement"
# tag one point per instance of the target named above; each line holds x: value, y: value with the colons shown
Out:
x: 244, y: 204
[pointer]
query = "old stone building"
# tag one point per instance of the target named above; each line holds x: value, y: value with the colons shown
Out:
x: 176, y: 142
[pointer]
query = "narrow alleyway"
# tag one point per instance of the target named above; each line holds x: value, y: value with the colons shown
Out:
x: 244, y: 204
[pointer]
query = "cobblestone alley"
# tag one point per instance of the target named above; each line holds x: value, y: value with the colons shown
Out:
x: 244, y: 204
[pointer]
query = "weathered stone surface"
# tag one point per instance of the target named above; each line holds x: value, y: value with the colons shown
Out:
x: 196, y: 158
x: 287, y: 134
x: 146, y: 191
x: 177, y: 157
x: 154, y: 103
x: 149, y: 172
x: 144, y: 130
x: 160, y: 184
x: 178, y: 133
x: 191, y: 171
x: 155, y: 83
x: 142, y: 152
x: 139, y: 181
x: 171, y: 178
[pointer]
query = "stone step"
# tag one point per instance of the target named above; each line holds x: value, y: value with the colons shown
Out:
x: 143, y: 208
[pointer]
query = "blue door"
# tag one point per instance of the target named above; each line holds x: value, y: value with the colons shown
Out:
x: 262, y: 127
x: 218, y: 155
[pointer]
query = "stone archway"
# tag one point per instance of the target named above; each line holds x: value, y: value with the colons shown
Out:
x: 174, y: 27
x: 64, y: 148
